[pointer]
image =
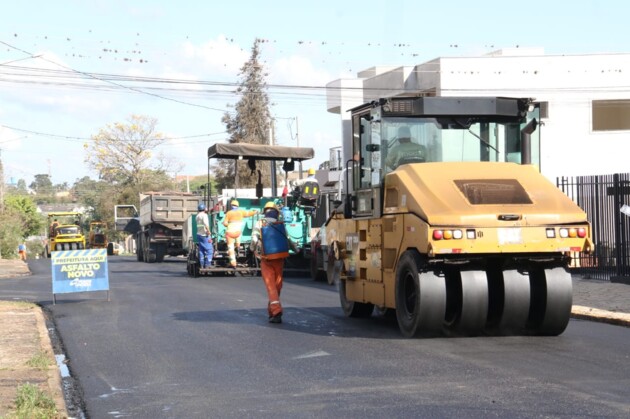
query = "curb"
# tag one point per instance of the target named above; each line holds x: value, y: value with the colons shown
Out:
x: 603, y: 316
x: 54, y: 375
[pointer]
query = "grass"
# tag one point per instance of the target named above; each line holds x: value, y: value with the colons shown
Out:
x: 40, y: 361
x: 17, y: 303
x: 32, y: 403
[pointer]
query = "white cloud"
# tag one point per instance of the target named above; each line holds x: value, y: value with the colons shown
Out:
x: 11, y: 140
x: 297, y: 70
x: 219, y: 57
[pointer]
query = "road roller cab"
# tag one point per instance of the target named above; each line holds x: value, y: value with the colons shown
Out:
x: 452, y: 232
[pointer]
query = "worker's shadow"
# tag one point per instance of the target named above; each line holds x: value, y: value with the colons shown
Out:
x: 320, y: 321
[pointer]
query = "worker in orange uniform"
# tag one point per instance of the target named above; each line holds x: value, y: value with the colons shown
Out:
x: 22, y: 251
x: 271, y: 245
x: 234, y: 226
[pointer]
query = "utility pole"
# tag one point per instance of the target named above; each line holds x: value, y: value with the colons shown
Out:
x: 1, y: 184
x: 297, y: 138
x: 1, y: 189
x: 274, y: 181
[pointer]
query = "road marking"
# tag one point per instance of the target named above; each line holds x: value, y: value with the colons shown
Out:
x: 313, y: 354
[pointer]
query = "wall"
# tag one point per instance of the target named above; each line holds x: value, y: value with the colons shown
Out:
x: 569, y: 83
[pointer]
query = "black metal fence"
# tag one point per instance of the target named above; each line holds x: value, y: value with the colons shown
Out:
x: 603, y: 198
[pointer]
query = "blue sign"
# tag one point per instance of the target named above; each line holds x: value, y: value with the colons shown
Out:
x: 79, y: 271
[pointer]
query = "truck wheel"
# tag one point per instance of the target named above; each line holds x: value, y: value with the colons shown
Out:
x: 110, y: 249
x: 160, y: 252
x: 139, y: 249
x: 353, y: 308
x: 150, y: 255
x: 420, y: 297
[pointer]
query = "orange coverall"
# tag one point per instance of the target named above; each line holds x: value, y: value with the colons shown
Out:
x: 234, y: 223
x: 271, y: 270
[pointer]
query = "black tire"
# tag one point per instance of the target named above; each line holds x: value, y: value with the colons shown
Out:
x: 552, y: 299
x: 420, y: 297
x: 139, y: 249
x: 318, y: 274
x: 193, y: 260
x: 160, y: 253
x: 110, y: 249
x: 150, y: 255
x: 353, y: 308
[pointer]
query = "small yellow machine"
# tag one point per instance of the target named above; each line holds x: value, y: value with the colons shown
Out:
x: 453, y: 234
x: 97, y: 237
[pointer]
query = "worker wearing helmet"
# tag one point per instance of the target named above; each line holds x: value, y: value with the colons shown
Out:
x: 271, y: 245
x: 311, y: 178
x: 206, y: 250
x: 233, y: 223
x: 306, y: 190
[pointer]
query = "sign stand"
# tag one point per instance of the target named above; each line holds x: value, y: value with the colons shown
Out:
x: 79, y: 271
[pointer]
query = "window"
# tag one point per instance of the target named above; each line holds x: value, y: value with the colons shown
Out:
x: 611, y: 115
x: 493, y: 191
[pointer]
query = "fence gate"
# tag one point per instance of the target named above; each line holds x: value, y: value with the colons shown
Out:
x: 602, y: 197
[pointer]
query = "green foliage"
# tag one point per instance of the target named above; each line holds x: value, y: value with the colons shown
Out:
x: 31, y: 222
x: 11, y: 233
x: 18, y: 220
x: 34, y: 247
x: 197, y: 184
x: 40, y: 361
x: 249, y: 123
x: 33, y: 403
x: 42, y: 185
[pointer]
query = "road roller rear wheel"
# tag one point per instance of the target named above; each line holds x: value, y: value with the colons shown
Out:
x: 509, y: 302
x: 353, y: 308
x: 466, y: 302
x: 420, y: 297
x: 552, y: 298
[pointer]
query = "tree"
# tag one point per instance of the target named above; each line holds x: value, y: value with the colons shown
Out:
x: 42, y: 185
x: 18, y: 220
x: 249, y: 123
x: 196, y: 184
x: 126, y: 154
x: 21, y: 186
x: 30, y: 221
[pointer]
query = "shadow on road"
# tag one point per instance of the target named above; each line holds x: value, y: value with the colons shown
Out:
x: 319, y: 321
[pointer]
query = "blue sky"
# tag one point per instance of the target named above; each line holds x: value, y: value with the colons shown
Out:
x: 46, y: 120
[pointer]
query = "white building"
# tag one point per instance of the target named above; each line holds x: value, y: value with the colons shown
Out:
x: 585, y: 100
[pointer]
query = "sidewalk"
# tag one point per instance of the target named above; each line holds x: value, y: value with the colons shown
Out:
x: 22, y: 324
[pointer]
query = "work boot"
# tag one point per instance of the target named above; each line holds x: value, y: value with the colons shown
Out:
x: 276, y: 319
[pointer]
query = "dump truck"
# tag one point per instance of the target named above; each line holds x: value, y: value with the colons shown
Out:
x: 460, y: 236
x: 157, y: 227
x: 295, y: 208
x: 64, y: 232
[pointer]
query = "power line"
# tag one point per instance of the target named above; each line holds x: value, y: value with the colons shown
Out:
x: 71, y: 138
x: 113, y: 82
